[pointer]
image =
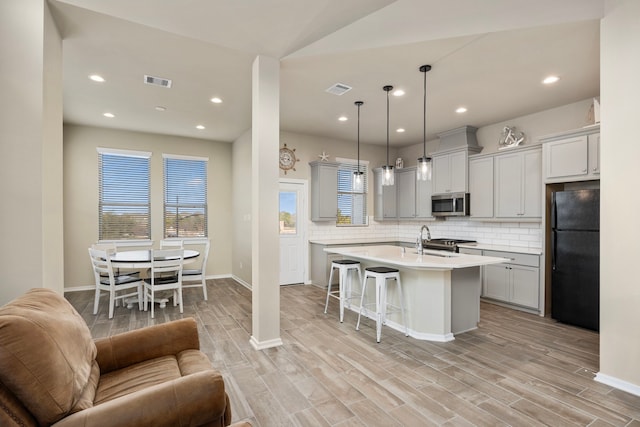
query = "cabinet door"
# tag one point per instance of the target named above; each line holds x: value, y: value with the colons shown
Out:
x: 566, y: 158
x: 324, y: 192
x: 481, y: 187
x: 384, y: 206
x: 508, y: 185
x: 496, y: 282
x: 458, y: 170
x: 406, y: 193
x: 532, y: 184
x: 423, y: 199
x: 594, y: 154
x: 525, y: 286
x: 441, y: 174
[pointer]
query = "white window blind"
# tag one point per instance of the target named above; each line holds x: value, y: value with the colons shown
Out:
x: 185, y: 196
x: 124, y: 195
x: 352, y: 205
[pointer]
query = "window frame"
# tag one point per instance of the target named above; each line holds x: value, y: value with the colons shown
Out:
x: 102, y: 152
x: 350, y: 165
x: 205, y: 197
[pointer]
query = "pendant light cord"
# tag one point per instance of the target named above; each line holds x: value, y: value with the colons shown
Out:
x: 359, y: 103
x: 424, y: 122
x: 388, y: 89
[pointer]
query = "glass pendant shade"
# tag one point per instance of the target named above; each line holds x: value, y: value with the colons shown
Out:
x: 358, y: 180
x: 423, y: 171
x: 388, y: 173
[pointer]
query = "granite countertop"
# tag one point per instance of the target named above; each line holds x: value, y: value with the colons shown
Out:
x: 407, y: 257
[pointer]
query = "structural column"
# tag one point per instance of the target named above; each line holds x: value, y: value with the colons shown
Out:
x: 265, y: 250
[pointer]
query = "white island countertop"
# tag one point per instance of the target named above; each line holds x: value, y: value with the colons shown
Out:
x: 408, y: 258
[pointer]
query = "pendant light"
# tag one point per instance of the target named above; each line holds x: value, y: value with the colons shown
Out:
x: 388, y: 177
x: 357, y: 175
x: 423, y: 172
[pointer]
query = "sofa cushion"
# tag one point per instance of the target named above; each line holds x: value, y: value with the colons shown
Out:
x: 46, y: 354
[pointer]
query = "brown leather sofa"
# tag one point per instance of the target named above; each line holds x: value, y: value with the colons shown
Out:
x: 53, y: 373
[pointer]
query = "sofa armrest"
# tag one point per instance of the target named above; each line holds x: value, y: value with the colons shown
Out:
x: 197, y: 399
x: 128, y: 348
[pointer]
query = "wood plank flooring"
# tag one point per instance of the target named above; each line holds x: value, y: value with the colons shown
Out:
x: 516, y: 369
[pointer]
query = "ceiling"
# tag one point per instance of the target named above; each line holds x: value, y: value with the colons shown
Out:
x: 488, y: 56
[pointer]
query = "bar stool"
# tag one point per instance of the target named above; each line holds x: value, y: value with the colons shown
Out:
x: 344, y: 266
x: 381, y: 275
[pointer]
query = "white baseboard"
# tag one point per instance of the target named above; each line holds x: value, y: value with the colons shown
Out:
x: 618, y: 383
x: 265, y: 344
x: 242, y: 282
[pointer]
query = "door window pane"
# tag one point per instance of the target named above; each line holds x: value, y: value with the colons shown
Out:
x: 288, y: 214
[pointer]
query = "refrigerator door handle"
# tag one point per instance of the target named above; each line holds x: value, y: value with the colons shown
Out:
x: 554, y: 236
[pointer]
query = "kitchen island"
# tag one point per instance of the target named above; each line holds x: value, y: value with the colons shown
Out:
x: 441, y: 289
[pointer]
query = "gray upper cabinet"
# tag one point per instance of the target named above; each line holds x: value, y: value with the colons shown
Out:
x: 481, y: 187
x: 518, y: 184
x: 413, y: 197
x: 572, y: 156
x: 450, y: 172
x: 324, y: 191
x: 384, y: 207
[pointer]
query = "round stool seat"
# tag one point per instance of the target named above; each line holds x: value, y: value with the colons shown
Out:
x: 382, y: 270
x: 345, y: 261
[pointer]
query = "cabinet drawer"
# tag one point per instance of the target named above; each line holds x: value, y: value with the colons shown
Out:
x: 516, y: 258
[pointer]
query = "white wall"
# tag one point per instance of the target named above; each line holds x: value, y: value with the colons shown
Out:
x: 81, y: 193
x: 30, y: 170
x: 619, y: 230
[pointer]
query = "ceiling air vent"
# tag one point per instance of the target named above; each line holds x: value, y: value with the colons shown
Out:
x: 338, y: 89
x: 157, y: 81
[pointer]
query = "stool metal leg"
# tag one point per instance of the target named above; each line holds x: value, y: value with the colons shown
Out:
x: 364, y: 286
x: 326, y: 304
x: 380, y: 305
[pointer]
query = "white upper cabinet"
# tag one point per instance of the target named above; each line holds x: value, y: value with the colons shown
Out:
x: 572, y: 156
x: 324, y: 191
x: 384, y: 207
x: 450, y: 172
x: 481, y: 187
x: 413, y: 197
x: 518, y: 184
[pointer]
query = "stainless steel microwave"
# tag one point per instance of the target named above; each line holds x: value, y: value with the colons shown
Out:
x: 452, y: 204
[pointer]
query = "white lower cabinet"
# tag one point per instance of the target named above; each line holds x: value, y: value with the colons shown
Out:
x: 516, y: 282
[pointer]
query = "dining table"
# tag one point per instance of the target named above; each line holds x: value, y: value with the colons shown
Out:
x: 141, y: 260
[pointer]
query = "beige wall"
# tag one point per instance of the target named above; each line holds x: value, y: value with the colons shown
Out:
x: 31, y: 143
x: 241, y: 203
x: 81, y: 192
x: 619, y: 230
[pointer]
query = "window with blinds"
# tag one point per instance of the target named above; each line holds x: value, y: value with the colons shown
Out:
x: 352, y: 205
x: 124, y: 195
x: 185, y: 196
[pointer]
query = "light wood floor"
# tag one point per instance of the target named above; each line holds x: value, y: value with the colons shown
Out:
x: 515, y: 369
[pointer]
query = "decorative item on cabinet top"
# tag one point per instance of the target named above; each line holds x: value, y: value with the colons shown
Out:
x: 510, y: 137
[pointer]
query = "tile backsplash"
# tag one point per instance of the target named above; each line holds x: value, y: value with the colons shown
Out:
x: 522, y: 234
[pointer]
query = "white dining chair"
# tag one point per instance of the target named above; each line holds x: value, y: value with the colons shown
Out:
x: 166, y: 274
x: 171, y: 244
x: 106, y: 280
x: 111, y: 247
x: 198, y: 274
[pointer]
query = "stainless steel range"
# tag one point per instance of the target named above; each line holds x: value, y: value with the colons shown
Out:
x: 445, y: 244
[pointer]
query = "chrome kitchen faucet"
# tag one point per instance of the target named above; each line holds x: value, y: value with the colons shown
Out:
x: 419, y: 246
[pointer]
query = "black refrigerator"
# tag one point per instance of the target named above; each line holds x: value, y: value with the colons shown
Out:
x: 575, y: 258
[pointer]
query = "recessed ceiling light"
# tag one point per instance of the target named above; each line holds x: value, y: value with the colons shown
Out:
x: 343, y: 118
x: 96, y: 78
x: 400, y: 130
x: 550, y: 80
x: 398, y: 92
x: 461, y: 110
x: 109, y: 115
x: 161, y: 108
x: 216, y: 100
x: 200, y: 127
